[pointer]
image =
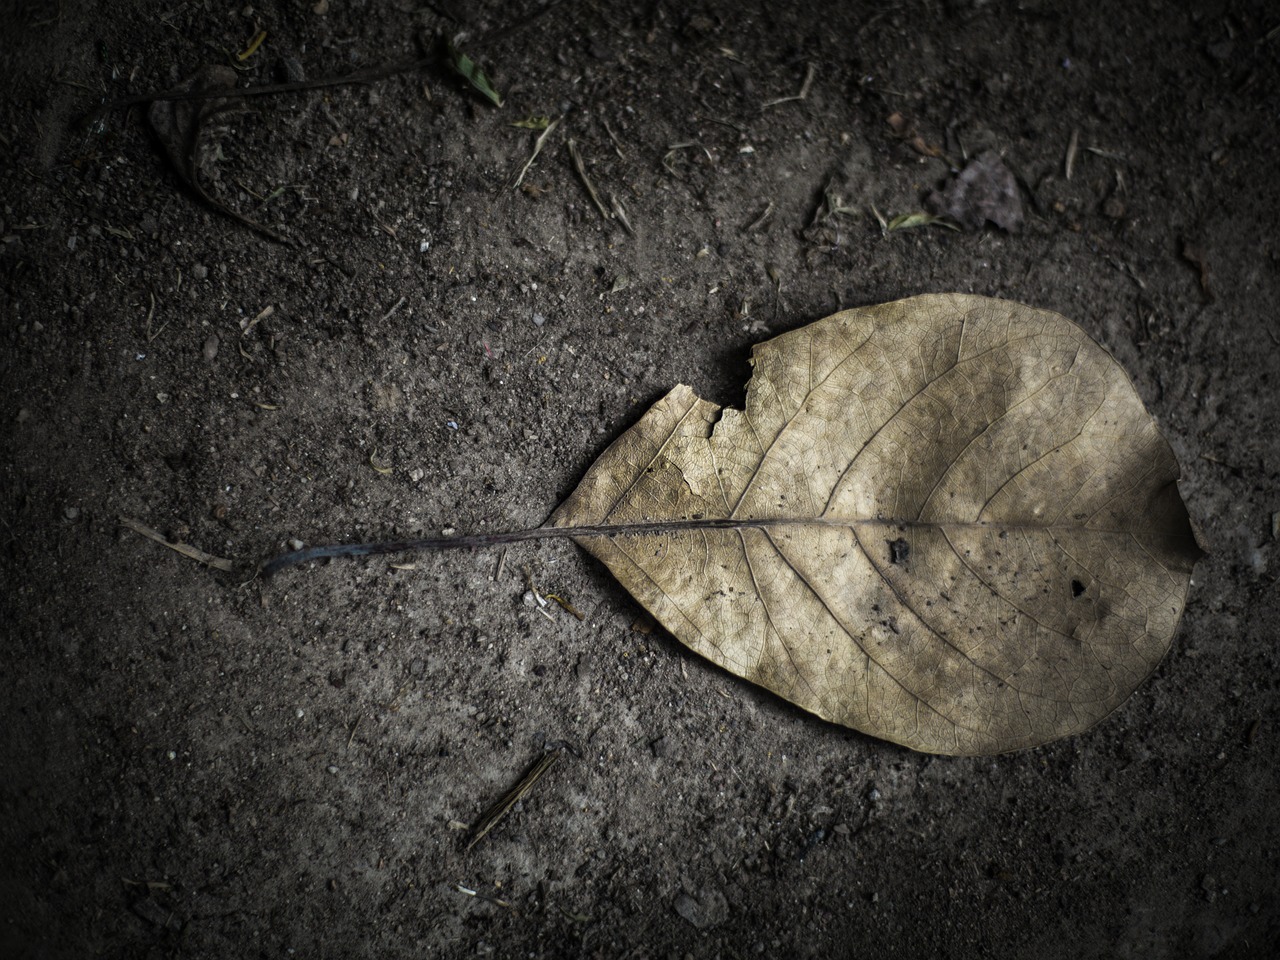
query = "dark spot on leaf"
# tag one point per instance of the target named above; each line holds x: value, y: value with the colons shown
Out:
x: 1077, y: 588
x: 899, y: 551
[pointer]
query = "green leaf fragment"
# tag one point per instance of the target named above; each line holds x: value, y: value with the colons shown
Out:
x: 468, y: 69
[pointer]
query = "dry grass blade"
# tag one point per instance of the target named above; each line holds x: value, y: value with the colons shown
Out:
x: 537, y: 149
x: 809, y: 73
x: 581, y: 169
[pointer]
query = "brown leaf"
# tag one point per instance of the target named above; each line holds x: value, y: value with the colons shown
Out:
x: 179, y: 125
x: 946, y: 521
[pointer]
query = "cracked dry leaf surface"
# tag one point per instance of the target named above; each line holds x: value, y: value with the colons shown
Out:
x: 946, y: 521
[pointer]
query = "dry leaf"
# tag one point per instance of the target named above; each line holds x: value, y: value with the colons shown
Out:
x: 946, y: 521
x: 180, y: 125
x: 985, y: 190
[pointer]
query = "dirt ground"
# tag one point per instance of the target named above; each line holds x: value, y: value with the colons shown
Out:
x: 197, y: 765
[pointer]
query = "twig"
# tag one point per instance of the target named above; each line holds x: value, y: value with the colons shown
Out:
x: 266, y: 89
x: 567, y: 606
x: 390, y: 313
x: 482, y: 896
x: 208, y: 559
x: 500, y: 809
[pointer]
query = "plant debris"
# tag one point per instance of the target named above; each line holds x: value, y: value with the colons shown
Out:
x: 470, y: 71
x: 581, y: 169
x: 762, y: 579
x: 910, y: 221
x: 985, y: 190
x: 495, y: 813
x: 194, y: 553
x: 179, y: 126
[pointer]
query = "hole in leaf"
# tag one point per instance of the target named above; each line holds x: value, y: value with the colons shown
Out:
x: 1077, y: 588
x: 899, y: 550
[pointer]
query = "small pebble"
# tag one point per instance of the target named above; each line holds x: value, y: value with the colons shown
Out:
x: 200, y: 271
x: 332, y: 768
x: 210, y: 348
x: 295, y: 544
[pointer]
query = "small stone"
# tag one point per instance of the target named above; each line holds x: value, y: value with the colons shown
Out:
x: 711, y: 910
x: 874, y: 795
x: 538, y: 319
x: 71, y: 513
x: 295, y: 544
x: 332, y: 769
x: 200, y: 271
x: 1113, y: 207
x: 1221, y: 51
x: 416, y: 474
